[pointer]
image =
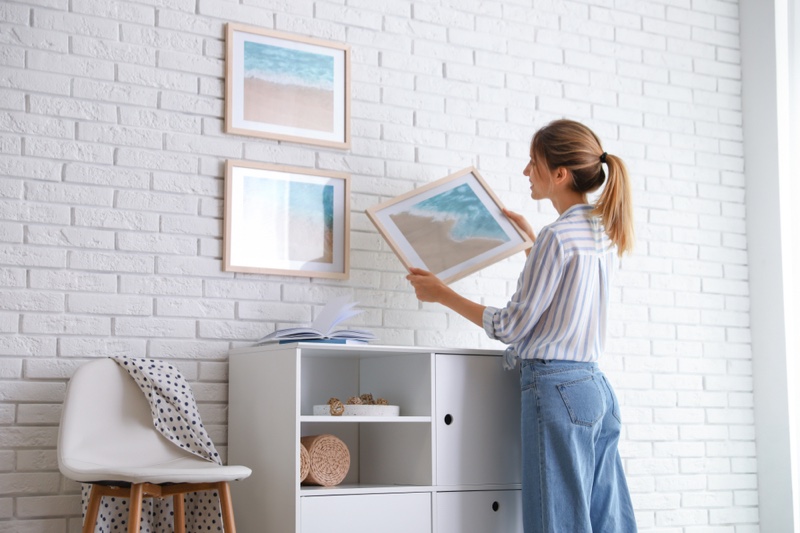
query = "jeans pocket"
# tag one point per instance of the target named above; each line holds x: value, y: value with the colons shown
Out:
x: 583, y: 400
x: 615, y: 408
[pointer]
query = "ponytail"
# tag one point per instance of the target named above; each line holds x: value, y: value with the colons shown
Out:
x: 615, y: 206
x: 570, y: 144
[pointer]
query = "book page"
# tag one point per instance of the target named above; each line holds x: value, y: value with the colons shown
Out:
x: 336, y: 311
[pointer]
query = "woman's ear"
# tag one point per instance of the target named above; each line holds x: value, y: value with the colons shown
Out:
x: 562, y: 176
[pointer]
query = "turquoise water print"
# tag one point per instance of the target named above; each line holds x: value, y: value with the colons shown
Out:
x: 461, y: 204
x: 292, y: 219
x: 300, y: 199
x: 287, y: 66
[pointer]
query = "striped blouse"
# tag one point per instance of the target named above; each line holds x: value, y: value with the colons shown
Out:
x: 559, y: 310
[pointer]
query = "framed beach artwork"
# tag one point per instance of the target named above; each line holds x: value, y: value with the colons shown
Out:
x: 452, y: 227
x: 287, y: 87
x: 286, y: 220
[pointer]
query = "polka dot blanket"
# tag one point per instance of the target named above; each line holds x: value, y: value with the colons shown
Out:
x: 175, y: 415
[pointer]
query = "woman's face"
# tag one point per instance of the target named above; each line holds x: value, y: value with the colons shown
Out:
x: 539, y: 178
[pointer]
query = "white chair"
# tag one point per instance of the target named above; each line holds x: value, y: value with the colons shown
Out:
x: 107, y: 438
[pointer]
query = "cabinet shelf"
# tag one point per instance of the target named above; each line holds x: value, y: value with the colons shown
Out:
x: 366, y: 419
x: 347, y: 489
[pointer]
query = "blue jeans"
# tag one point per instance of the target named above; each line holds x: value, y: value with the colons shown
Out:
x: 572, y: 477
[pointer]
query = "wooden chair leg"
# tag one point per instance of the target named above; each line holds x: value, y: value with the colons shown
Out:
x: 92, y: 509
x: 179, y: 518
x: 135, y: 506
x: 227, y: 506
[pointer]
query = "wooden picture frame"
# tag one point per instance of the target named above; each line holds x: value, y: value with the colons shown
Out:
x: 452, y: 227
x: 287, y: 87
x: 286, y: 220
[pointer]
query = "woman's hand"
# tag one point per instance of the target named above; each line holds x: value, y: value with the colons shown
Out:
x: 427, y: 286
x: 523, y: 224
x: 520, y: 221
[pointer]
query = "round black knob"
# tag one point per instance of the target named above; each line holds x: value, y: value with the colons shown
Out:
x: 448, y: 419
x: 495, y: 506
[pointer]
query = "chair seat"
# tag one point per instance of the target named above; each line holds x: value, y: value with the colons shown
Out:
x: 183, y: 470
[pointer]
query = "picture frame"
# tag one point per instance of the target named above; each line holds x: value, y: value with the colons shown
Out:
x: 286, y: 87
x: 286, y: 220
x: 451, y: 227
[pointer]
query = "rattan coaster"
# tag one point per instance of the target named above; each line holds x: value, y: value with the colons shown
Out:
x: 329, y: 460
x: 305, y: 463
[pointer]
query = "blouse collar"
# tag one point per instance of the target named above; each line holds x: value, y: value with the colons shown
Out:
x: 576, y: 209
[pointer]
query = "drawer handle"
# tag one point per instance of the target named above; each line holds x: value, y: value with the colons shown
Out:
x: 448, y: 419
x: 495, y: 506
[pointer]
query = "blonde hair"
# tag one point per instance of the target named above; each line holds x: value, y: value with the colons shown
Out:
x: 570, y: 144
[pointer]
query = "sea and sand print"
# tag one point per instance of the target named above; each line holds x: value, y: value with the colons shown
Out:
x: 288, y: 87
x: 287, y: 221
x: 449, y: 228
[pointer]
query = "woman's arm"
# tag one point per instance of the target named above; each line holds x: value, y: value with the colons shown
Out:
x: 429, y: 288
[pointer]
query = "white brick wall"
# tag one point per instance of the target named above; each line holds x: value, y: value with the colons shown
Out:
x: 111, y: 164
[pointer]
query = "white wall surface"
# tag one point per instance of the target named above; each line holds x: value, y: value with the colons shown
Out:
x: 111, y: 164
x: 793, y: 356
x: 770, y: 59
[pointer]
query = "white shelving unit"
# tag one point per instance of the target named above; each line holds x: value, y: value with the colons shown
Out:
x: 449, y: 463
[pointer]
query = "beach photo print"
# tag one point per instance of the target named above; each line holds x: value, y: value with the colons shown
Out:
x: 452, y: 227
x: 286, y: 220
x: 287, y: 87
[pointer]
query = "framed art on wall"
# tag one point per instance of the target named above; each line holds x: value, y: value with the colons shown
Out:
x: 452, y: 227
x: 286, y: 220
x: 287, y: 87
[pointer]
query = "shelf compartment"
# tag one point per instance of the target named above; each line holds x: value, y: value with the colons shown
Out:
x: 382, y: 453
x: 402, y: 378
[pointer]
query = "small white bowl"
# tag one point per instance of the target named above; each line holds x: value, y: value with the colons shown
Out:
x: 360, y: 410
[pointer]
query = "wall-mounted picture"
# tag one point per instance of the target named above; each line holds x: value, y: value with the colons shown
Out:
x: 286, y: 220
x: 287, y: 87
x: 452, y: 227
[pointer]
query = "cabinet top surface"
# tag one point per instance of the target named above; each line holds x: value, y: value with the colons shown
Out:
x: 360, y: 349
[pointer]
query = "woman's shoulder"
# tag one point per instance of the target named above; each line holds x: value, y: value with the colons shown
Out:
x: 580, y: 232
x: 576, y: 219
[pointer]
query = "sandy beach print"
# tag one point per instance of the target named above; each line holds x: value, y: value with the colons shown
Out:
x: 287, y: 221
x: 288, y: 87
x: 434, y: 244
x: 450, y: 228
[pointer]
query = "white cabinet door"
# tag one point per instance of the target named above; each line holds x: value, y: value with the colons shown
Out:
x: 477, y: 421
x: 367, y: 513
x: 479, y: 512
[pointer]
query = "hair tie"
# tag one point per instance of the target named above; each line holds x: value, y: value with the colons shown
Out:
x: 603, y: 157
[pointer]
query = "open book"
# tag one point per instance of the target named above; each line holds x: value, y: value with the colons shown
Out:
x: 336, y: 311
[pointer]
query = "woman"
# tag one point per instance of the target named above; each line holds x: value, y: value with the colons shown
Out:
x: 555, y: 324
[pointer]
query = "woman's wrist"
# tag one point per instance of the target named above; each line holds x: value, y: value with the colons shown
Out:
x: 465, y: 307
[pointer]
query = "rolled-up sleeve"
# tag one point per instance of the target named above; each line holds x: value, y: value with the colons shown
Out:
x: 536, y: 289
x: 510, y: 356
x: 488, y: 321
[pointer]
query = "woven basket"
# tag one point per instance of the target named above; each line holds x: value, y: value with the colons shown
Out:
x: 330, y: 460
x: 305, y: 463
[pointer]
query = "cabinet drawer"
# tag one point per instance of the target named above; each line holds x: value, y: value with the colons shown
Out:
x: 479, y: 512
x: 368, y: 513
